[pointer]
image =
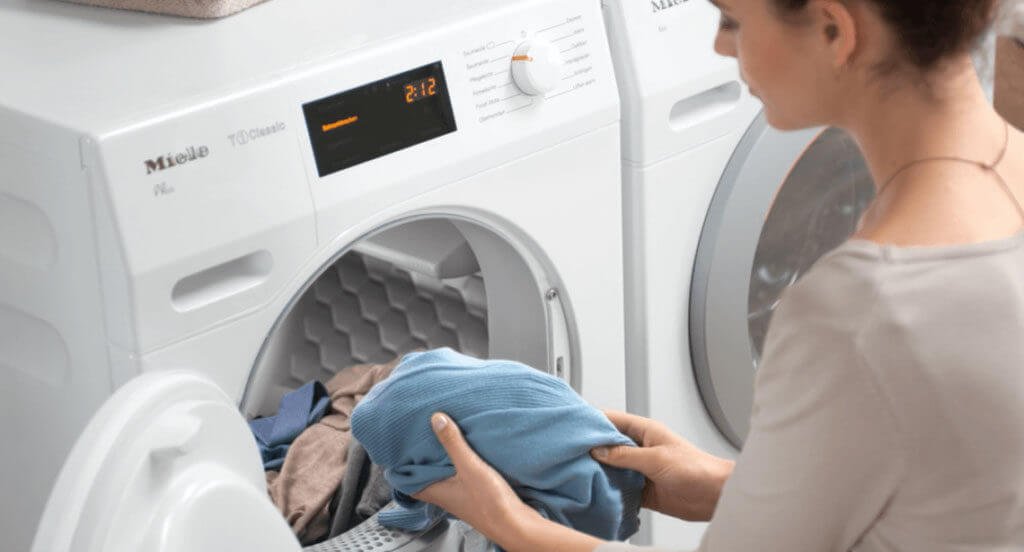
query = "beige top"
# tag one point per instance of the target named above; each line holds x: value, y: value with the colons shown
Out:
x: 889, y: 408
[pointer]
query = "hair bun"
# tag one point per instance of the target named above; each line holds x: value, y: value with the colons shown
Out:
x: 933, y: 30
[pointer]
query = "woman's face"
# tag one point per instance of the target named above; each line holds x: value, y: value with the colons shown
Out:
x: 782, y: 61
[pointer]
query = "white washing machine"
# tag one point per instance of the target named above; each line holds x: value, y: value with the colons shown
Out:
x: 721, y: 214
x: 204, y: 215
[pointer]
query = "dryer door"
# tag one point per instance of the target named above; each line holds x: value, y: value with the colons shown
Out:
x: 785, y: 199
x: 167, y: 464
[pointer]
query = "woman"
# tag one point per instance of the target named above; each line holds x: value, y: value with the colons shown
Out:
x: 889, y: 405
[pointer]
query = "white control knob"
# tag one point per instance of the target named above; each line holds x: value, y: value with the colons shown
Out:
x: 536, y: 67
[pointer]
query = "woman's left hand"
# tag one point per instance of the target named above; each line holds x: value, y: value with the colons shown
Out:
x: 476, y: 494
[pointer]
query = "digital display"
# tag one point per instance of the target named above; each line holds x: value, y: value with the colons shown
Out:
x: 379, y: 118
x: 420, y: 89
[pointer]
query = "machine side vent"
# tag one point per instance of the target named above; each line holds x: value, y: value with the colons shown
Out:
x: 222, y: 281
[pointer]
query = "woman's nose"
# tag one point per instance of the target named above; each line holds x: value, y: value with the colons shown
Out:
x: 725, y: 45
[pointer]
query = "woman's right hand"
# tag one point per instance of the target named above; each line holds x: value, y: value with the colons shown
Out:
x: 682, y: 480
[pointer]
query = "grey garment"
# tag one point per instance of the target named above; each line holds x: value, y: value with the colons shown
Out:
x: 376, y: 493
x: 356, y: 467
x: 363, y: 491
x: 887, y: 412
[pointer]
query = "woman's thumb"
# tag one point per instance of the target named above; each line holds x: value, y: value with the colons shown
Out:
x: 450, y: 437
x: 624, y: 456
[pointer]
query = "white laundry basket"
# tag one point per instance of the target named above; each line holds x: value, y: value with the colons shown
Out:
x: 203, y: 9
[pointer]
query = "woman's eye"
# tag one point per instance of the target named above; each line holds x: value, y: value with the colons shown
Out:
x: 727, y: 23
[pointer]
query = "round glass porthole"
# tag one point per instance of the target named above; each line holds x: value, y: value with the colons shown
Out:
x: 816, y: 209
x: 784, y: 200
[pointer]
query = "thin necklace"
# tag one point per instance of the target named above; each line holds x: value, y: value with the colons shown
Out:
x: 989, y: 167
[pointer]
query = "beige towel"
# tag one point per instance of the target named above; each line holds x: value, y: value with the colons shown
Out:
x: 203, y: 9
x: 315, y: 463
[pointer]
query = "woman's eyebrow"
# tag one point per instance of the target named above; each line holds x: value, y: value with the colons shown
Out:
x: 715, y: 3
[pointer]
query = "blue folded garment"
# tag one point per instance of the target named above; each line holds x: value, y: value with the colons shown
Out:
x: 297, y: 411
x: 530, y: 426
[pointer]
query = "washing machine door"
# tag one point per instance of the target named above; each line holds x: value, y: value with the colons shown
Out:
x: 785, y: 199
x: 167, y: 464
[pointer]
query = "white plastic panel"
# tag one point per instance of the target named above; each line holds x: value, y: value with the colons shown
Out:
x: 221, y: 200
x: 167, y: 464
x: 53, y: 344
x: 432, y: 248
x: 677, y: 93
x: 664, y: 211
x: 26, y: 236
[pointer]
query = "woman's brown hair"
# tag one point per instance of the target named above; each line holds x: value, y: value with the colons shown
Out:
x: 929, y: 31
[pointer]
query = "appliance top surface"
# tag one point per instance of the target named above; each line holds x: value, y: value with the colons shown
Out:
x: 83, y: 66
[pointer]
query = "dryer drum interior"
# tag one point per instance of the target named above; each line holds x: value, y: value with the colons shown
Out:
x: 419, y: 284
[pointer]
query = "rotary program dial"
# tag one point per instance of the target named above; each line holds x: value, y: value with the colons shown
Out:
x: 536, y: 67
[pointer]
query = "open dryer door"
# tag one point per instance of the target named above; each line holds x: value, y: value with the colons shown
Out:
x: 785, y: 199
x: 167, y: 464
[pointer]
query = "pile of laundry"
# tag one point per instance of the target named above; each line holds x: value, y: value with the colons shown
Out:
x: 531, y: 426
x: 317, y: 475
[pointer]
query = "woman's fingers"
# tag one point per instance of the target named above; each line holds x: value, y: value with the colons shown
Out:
x: 633, y: 426
x: 450, y: 436
x: 643, y: 460
x: 437, y: 492
x: 458, y: 450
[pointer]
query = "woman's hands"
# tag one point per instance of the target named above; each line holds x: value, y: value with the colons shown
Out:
x: 477, y: 494
x: 480, y: 496
x: 682, y: 480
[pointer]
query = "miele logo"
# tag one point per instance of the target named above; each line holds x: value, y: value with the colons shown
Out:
x: 191, y: 153
x: 660, y: 5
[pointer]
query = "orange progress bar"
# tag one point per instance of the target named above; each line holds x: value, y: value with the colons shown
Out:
x: 340, y: 123
x: 522, y: 58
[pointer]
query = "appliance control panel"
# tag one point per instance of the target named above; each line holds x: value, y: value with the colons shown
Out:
x: 551, y: 61
x: 217, y: 201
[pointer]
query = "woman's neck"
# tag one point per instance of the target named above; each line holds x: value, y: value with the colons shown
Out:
x: 926, y: 204
x: 950, y: 118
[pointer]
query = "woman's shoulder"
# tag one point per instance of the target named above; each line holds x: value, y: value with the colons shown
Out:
x: 863, y: 285
x: 837, y: 288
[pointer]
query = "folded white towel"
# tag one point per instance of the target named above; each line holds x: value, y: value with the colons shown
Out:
x: 202, y: 9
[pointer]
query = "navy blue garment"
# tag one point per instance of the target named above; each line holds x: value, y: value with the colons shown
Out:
x: 298, y: 410
x: 530, y: 426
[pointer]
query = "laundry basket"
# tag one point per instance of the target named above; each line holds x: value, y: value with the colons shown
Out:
x: 203, y: 9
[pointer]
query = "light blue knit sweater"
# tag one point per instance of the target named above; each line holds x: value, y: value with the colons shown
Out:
x: 530, y: 426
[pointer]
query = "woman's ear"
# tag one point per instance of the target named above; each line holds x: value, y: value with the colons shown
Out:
x: 838, y: 29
